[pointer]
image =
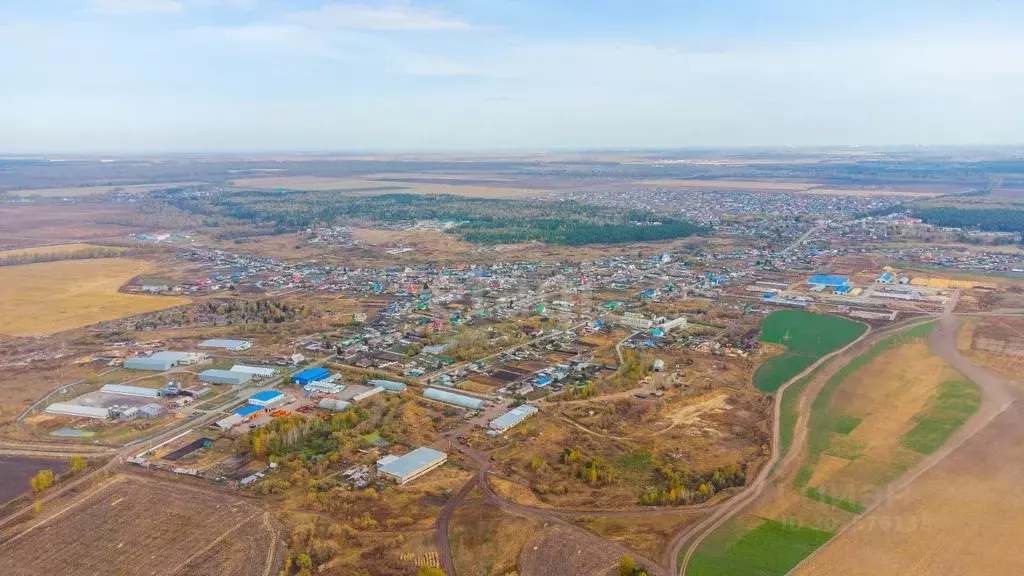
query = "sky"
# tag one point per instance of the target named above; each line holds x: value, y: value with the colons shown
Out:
x: 141, y: 76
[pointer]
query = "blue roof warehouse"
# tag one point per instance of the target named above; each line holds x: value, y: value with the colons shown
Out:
x: 310, y: 375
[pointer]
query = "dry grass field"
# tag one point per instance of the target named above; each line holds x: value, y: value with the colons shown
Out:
x: 36, y: 223
x: 50, y: 249
x: 560, y: 550
x: 136, y: 525
x: 92, y: 190
x: 51, y: 297
x: 486, y: 541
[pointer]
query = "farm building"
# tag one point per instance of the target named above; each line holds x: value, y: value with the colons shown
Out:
x: 310, y: 375
x: 828, y: 280
x: 324, y: 387
x: 364, y: 395
x: 254, y: 370
x: 512, y: 418
x: 130, y: 413
x: 266, y: 399
x: 157, y: 362
x: 229, y: 422
x: 62, y: 409
x: 407, y: 468
x: 248, y: 410
x: 334, y: 405
x: 234, y: 345
x: 388, y: 385
x: 153, y: 410
x: 130, y: 390
x: 885, y: 278
x: 659, y: 365
x: 215, y: 376
x: 454, y: 399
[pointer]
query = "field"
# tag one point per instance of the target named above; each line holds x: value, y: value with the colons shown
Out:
x: 769, y: 548
x: 807, y: 337
x: 91, y: 190
x: 939, y: 526
x: 76, y: 247
x: 15, y: 473
x: 134, y: 525
x: 51, y: 297
x: 870, y: 420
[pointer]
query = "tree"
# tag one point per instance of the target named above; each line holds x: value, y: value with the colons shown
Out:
x: 627, y: 566
x: 42, y: 480
x: 429, y: 571
x: 304, y: 561
x: 38, y: 506
x: 77, y: 464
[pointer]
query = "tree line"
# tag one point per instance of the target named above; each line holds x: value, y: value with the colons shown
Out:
x: 85, y: 253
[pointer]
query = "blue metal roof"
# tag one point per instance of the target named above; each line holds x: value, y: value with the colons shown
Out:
x: 265, y: 396
x: 311, y: 374
x: 248, y: 410
x: 828, y: 280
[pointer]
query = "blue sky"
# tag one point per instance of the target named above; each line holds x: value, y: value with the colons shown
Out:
x: 463, y: 75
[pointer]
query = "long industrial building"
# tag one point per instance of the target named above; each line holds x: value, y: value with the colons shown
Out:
x: 388, y: 385
x: 454, y: 399
x: 157, y: 362
x: 266, y: 398
x: 261, y: 371
x: 215, y: 376
x: 130, y: 390
x: 333, y: 405
x: 62, y: 409
x: 310, y: 375
x: 234, y: 345
x: 512, y: 418
x: 407, y: 468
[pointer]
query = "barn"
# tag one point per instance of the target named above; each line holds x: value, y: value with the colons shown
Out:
x: 215, y: 376
x: 405, y: 469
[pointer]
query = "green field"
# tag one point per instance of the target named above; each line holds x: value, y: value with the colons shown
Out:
x: 951, y: 406
x: 770, y: 549
x: 807, y: 337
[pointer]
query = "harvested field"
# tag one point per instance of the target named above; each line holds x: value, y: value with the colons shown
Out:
x: 936, y: 526
x: 35, y: 223
x: 92, y: 190
x: 141, y: 526
x: 51, y: 297
x: 71, y: 248
x: 15, y: 473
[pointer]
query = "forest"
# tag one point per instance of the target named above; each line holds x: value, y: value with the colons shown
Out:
x: 989, y: 220
x: 479, y: 220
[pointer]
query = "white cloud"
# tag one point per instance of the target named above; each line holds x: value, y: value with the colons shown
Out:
x: 395, y: 16
x: 137, y: 6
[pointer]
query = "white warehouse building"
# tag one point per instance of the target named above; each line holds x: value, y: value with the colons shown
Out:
x: 63, y: 409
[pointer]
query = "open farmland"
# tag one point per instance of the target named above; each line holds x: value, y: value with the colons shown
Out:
x: 870, y: 421
x: 15, y: 473
x: 132, y: 525
x: 91, y: 190
x: 807, y: 337
x: 51, y: 297
x: 50, y: 249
